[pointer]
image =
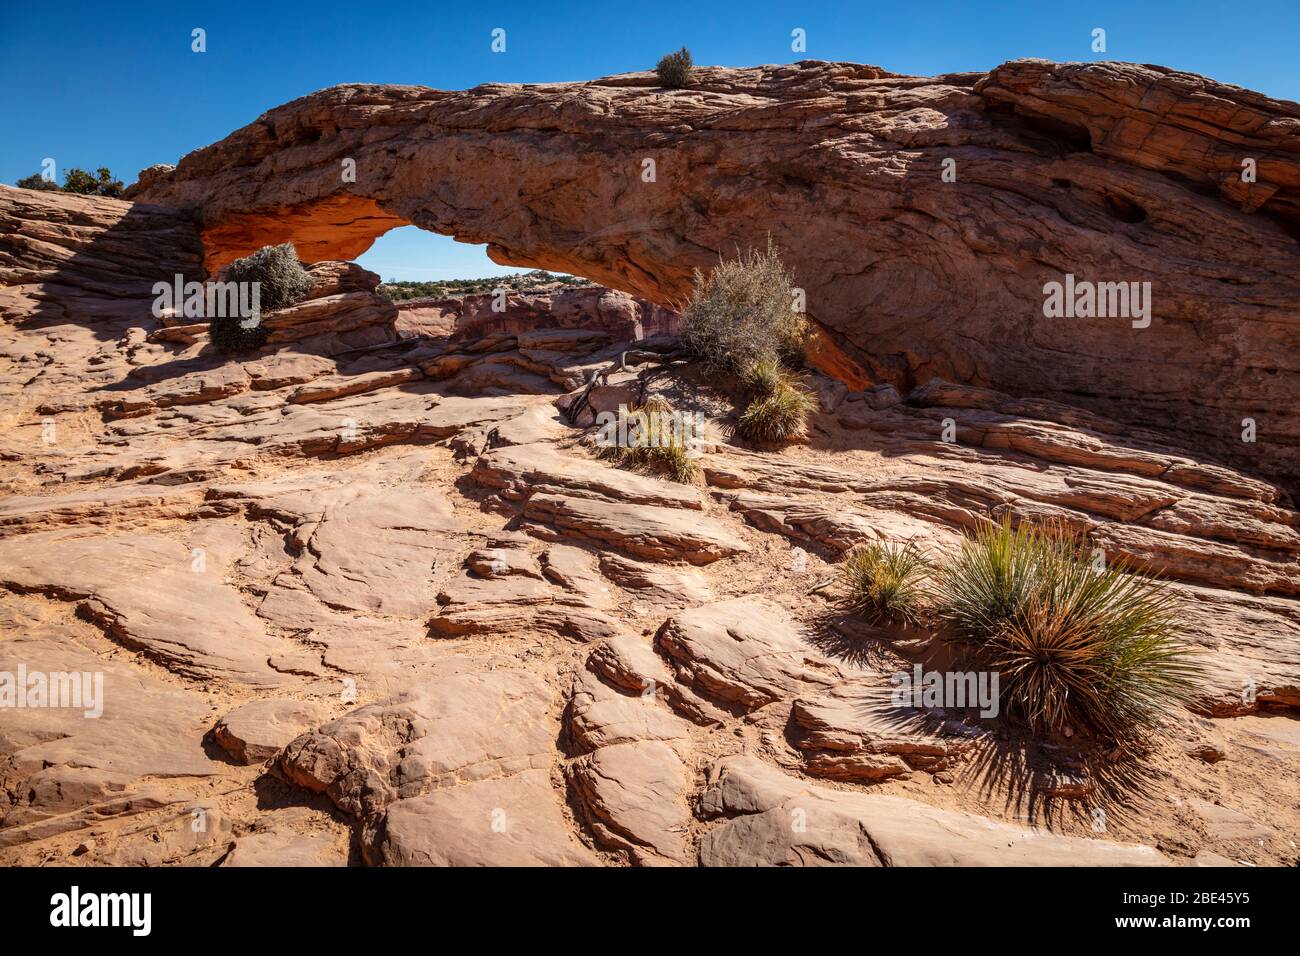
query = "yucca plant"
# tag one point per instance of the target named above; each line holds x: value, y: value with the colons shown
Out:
x: 664, y: 450
x: 779, y: 414
x: 1076, y: 646
x: 886, y: 582
x: 671, y: 460
x: 765, y: 377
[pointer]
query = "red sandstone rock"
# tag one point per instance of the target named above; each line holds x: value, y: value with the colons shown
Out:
x: 1106, y: 171
x: 406, y: 532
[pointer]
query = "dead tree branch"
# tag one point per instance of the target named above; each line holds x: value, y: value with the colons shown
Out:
x: 642, y: 352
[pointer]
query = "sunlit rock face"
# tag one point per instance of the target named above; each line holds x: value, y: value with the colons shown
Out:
x: 367, y: 593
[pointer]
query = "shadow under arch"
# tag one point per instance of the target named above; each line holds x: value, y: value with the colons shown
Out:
x: 341, y: 226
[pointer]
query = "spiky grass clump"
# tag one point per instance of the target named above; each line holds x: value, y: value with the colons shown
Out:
x: 766, y: 377
x: 1075, y: 646
x: 886, y: 582
x: 780, y: 406
x: 674, y: 69
x: 670, y: 460
x: 743, y: 314
x: 661, y: 449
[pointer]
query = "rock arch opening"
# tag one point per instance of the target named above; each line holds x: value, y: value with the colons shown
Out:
x: 409, y: 254
x: 345, y: 226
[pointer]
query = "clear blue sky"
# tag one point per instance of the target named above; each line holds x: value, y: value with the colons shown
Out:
x: 116, y: 84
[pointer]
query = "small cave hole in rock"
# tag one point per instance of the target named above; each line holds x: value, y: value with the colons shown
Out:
x: 1125, y: 209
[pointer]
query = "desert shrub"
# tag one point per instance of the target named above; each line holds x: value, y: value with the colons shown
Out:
x: 77, y: 181
x: 674, y: 69
x: 282, y: 281
x: 743, y: 313
x: 101, y: 183
x: 886, y: 582
x: 229, y: 333
x: 664, y: 451
x: 1075, y: 646
x: 780, y: 405
x: 37, y: 181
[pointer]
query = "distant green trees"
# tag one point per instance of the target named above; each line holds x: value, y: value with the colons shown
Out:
x: 527, y: 282
x: 75, y: 180
x: 37, y: 181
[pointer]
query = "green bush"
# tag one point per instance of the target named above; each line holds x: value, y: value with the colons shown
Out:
x: 674, y: 69
x: 282, y: 281
x: 37, y: 181
x: 101, y: 184
x: 77, y: 181
x: 779, y: 408
x: 1076, y: 646
x: 282, y: 278
x: 743, y: 314
x: 229, y: 334
x: 886, y: 582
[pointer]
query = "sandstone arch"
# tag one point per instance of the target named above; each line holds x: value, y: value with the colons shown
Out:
x: 1107, y: 171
